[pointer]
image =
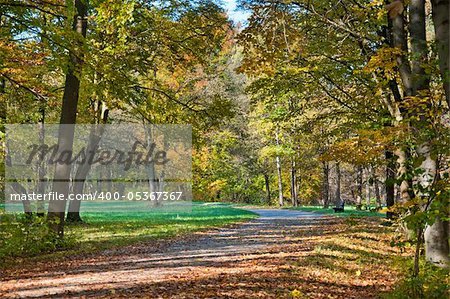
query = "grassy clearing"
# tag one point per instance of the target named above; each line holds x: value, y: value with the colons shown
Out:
x: 348, y: 211
x: 103, y: 230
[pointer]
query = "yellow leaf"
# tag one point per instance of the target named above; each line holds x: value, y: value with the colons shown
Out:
x: 296, y: 294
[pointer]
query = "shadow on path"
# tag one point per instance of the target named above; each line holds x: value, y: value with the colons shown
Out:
x: 229, y: 251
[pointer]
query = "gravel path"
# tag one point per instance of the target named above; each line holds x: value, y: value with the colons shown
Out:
x: 168, y: 269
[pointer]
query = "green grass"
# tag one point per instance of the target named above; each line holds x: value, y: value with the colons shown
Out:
x: 348, y: 211
x: 104, y: 230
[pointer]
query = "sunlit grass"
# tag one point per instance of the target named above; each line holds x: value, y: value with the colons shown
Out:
x: 348, y: 211
x: 106, y: 230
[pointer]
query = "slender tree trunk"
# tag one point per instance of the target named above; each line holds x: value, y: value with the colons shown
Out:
x: 2, y: 90
x: 120, y: 185
x: 267, y: 183
x: 42, y: 183
x: 326, y: 185
x: 293, y: 184
x: 376, y: 187
x: 416, y: 268
x: 279, y: 173
x: 56, y: 209
x: 389, y: 183
x: 337, y: 197
x: 162, y: 175
x: 368, y: 191
x: 359, y: 181
x: 377, y: 193
x: 3, y: 121
x: 42, y: 165
x: 280, y: 182
x: 152, y: 179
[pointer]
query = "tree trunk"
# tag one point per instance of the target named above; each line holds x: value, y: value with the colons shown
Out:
x: 279, y: 173
x: 419, y: 50
x: 152, y: 179
x: 337, y: 197
x: 293, y: 184
x: 359, y: 181
x: 267, y: 183
x: 399, y: 41
x: 280, y: 182
x: 441, y: 11
x: 3, y: 121
x: 377, y: 193
x: 368, y: 191
x: 56, y: 209
x: 404, y: 187
x: 95, y: 136
x: 389, y: 182
x: 42, y: 183
x: 436, y: 235
x: 326, y: 185
x: 42, y: 166
x: 162, y: 175
x: 376, y: 187
x: 437, y: 243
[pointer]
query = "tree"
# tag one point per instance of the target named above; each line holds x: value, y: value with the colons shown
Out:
x: 61, y: 179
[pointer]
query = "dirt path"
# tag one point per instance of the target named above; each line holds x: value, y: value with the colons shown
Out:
x: 252, y: 260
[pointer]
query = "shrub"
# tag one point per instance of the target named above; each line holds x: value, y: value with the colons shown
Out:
x: 432, y: 283
x: 28, y: 236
